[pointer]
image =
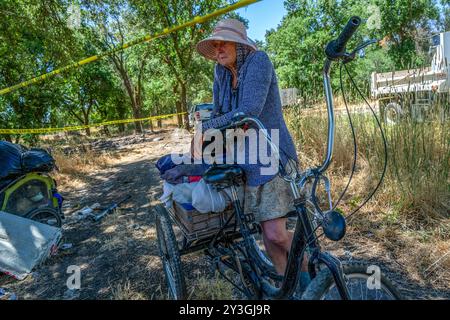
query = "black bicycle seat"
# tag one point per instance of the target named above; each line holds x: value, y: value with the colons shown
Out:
x: 224, y: 175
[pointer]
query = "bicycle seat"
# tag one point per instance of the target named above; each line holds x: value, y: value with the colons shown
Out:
x: 224, y: 175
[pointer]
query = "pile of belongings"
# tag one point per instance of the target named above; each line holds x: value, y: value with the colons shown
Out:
x: 17, y: 160
x: 183, y: 184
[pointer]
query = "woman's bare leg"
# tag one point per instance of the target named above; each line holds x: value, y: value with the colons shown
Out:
x: 277, y: 241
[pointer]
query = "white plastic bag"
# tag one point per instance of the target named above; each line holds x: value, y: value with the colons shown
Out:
x: 182, y: 193
x: 166, y: 198
x: 205, y: 198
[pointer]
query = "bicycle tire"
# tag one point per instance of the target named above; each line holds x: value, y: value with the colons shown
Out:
x: 170, y: 255
x: 323, y: 283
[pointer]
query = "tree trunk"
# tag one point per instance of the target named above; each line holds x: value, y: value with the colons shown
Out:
x: 150, y: 123
x: 86, y: 122
x: 121, y: 112
x: 158, y: 122
x: 178, y: 107
x: 132, y: 92
x: 180, y: 118
x: 137, y: 115
x: 138, y: 126
x: 184, y: 104
x: 137, y: 110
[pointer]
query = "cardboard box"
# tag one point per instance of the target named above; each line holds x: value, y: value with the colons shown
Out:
x: 205, y: 223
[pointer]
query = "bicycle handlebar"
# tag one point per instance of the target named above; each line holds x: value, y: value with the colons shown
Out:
x: 336, y: 48
x: 334, y: 51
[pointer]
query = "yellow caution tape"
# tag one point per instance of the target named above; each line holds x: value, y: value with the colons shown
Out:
x: 76, y: 128
x: 147, y: 38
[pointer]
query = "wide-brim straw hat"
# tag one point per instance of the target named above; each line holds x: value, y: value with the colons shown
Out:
x: 226, y: 30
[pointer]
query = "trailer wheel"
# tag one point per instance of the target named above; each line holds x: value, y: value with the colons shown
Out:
x: 392, y: 113
x: 46, y: 216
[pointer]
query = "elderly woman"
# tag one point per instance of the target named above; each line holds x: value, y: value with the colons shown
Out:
x: 245, y: 81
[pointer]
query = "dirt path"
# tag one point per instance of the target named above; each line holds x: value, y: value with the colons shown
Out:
x: 118, y: 256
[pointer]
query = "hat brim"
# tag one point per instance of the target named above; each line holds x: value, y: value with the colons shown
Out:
x: 206, y: 48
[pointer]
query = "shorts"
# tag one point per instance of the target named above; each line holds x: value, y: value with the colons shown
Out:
x: 269, y: 201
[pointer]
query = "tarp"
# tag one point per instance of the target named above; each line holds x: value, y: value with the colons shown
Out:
x: 16, y: 160
x: 37, y: 160
x: 24, y: 244
x: 10, y: 159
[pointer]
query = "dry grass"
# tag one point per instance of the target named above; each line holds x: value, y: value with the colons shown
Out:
x: 210, y: 289
x: 410, y: 214
x: 124, y: 291
x: 74, y: 170
x: 79, y: 164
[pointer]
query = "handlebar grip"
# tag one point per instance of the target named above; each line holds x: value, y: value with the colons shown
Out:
x: 336, y: 48
x: 237, y: 117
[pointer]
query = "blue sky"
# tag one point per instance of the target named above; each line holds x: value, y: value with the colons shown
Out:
x: 262, y: 16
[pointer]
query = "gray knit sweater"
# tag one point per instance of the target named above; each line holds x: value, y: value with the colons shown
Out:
x: 257, y: 95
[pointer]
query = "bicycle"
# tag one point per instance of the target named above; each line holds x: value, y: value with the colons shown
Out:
x: 232, y: 245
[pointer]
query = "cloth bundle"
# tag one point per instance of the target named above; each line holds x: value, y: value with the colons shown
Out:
x: 183, y: 184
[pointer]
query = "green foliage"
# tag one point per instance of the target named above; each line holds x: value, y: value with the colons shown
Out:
x: 297, y: 46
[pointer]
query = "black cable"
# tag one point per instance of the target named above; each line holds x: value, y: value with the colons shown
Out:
x: 384, y: 144
x: 313, y: 194
x: 355, y: 145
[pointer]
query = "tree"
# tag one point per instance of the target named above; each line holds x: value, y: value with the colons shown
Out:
x: 407, y: 23
x: 114, y: 25
x: 90, y: 88
x: 445, y: 15
x: 34, y: 39
x: 177, y: 50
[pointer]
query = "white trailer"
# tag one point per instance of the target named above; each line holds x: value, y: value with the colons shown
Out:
x: 416, y: 92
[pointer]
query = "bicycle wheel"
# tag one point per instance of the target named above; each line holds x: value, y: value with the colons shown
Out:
x: 47, y: 216
x: 361, y: 282
x: 259, y: 253
x: 169, y: 254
